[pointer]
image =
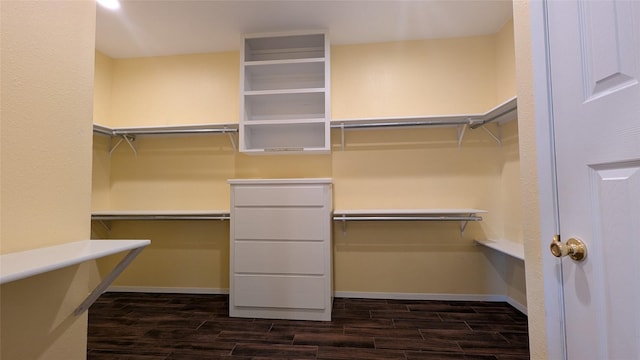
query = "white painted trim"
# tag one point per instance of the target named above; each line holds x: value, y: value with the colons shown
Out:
x: 553, y: 308
x: 519, y: 306
x: 428, y: 296
x: 338, y: 294
x: 168, y: 290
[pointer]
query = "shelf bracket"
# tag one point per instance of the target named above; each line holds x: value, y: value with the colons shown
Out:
x: 342, y: 136
x: 104, y: 224
x: 232, y: 141
x: 497, y: 138
x: 129, y: 139
x: 344, y: 225
x: 463, y: 225
x: 104, y: 284
x: 461, y: 131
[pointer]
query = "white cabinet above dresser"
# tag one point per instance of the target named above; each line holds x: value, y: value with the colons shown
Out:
x: 284, y: 95
x: 280, y: 249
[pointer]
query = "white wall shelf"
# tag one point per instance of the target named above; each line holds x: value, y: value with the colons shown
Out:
x: 160, y: 215
x: 502, y: 113
x: 462, y: 215
x: 129, y: 134
x: 23, y: 264
x: 507, y: 247
x: 157, y: 215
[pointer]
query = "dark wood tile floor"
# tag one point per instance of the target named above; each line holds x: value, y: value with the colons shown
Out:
x: 178, y: 326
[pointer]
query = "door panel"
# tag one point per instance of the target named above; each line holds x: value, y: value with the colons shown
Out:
x: 594, y: 50
x: 606, y: 29
x: 616, y: 195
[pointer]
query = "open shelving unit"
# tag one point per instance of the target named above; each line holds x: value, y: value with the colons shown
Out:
x: 284, y: 95
x: 23, y: 264
x: 461, y: 215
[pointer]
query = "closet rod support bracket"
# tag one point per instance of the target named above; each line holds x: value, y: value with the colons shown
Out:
x: 104, y: 284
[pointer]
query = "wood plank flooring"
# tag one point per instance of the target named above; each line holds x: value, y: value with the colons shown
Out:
x: 184, y: 326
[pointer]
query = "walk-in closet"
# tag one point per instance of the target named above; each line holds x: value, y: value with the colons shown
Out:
x: 422, y: 158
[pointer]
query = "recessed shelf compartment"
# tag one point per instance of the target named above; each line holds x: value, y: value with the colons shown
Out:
x: 284, y: 105
x: 286, y: 137
x: 268, y: 47
x: 279, y: 75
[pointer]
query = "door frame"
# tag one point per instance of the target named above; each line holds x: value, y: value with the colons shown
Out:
x: 553, y: 311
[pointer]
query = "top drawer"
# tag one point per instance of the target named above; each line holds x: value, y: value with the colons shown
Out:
x: 280, y: 195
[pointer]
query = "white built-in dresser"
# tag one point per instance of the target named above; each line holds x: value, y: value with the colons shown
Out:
x: 281, y: 263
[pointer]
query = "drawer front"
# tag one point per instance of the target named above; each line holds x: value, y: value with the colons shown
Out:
x: 280, y: 223
x: 279, y: 195
x: 279, y: 257
x: 299, y: 292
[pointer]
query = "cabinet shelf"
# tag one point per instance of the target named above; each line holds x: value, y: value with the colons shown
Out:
x: 285, y: 104
x: 24, y: 264
x: 291, y: 74
x: 280, y: 46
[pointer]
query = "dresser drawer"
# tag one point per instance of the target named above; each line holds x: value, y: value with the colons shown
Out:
x: 280, y: 223
x: 273, y: 291
x: 280, y: 195
x: 268, y: 257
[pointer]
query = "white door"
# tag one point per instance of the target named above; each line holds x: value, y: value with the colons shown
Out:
x: 594, y: 49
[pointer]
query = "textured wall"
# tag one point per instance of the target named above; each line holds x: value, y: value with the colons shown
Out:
x: 47, y: 85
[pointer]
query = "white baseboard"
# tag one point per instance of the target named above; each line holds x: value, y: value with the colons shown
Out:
x: 522, y: 308
x: 168, y: 290
x: 339, y: 294
x: 428, y: 296
x: 418, y: 296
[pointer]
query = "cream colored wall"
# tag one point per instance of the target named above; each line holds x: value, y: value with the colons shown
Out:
x: 511, y: 216
x: 47, y: 85
x: 423, y: 77
x: 529, y: 181
x: 378, y: 169
x: 189, y: 89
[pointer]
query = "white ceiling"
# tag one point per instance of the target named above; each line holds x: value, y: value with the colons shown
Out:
x: 170, y: 27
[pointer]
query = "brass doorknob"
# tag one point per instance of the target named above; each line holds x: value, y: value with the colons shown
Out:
x: 574, y: 248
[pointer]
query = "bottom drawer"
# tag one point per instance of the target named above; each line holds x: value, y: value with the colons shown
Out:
x: 296, y: 292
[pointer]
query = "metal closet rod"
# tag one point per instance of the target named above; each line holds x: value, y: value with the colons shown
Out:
x: 344, y: 125
x: 406, y: 218
x: 160, y: 217
x: 159, y: 131
x: 173, y: 131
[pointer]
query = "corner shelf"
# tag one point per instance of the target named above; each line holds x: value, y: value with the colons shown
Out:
x: 507, y: 247
x: 23, y: 264
x: 462, y: 215
x: 129, y: 134
x: 501, y: 113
